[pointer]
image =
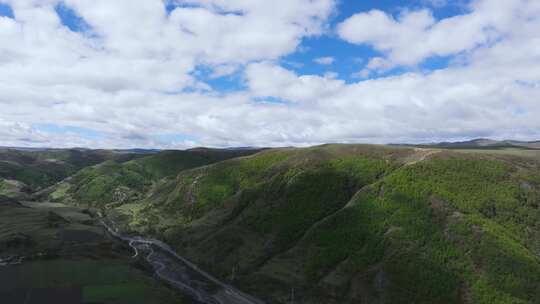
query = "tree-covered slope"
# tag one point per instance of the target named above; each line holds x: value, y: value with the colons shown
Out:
x: 28, y: 171
x: 347, y: 223
x: 115, y: 183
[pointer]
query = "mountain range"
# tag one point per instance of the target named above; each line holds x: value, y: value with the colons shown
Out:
x: 485, y: 143
x: 437, y: 223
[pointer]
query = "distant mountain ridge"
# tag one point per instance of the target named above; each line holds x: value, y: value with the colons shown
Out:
x: 45, y: 149
x: 485, y: 143
x: 29, y: 170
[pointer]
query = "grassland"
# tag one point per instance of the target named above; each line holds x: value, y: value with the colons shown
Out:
x: 99, y: 281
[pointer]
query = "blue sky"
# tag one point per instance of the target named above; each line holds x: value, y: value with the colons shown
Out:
x: 70, y: 18
x: 259, y: 73
x: 5, y: 10
x: 349, y: 58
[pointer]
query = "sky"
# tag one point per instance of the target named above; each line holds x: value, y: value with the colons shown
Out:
x: 176, y: 74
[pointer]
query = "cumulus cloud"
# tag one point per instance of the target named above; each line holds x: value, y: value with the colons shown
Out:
x: 131, y: 76
x: 126, y: 71
x: 417, y: 35
x: 267, y: 79
x: 325, y: 60
x: 239, y: 31
x: 376, y: 64
x: 223, y: 70
x: 142, y: 46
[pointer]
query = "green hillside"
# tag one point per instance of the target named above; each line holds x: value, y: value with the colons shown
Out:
x: 356, y: 224
x: 28, y: 171
x: 115, y: 183
x: 65, y: 253
x: 331, y: 224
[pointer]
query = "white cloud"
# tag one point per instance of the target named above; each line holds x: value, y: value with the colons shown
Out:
x: 324, y: 60
x: 223, y: 70
x: 267, y: 79
x: 364, y: 73
x: 115, y: 78
x: 253, y: 30
x: 417, y: 35
x: 137, y: 45
x: 376, y: 64
x: 130, y: 79
x: 379, y: 63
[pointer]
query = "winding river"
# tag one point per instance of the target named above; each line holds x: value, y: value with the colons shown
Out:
x: 182, y: 274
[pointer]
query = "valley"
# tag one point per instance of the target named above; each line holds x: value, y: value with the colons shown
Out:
x: 325, y: 224
x: 269, y: 152
x: 60, y: 254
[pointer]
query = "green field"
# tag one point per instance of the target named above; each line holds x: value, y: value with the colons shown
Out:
x: 65, y: 251
x: 103, y: 281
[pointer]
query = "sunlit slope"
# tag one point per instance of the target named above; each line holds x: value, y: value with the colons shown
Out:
x: 350, y: 223
x: 356, y: 224
x: 22, y: 172
x: 114, y: 183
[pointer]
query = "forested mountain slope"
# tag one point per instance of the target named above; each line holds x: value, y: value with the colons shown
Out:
x: 351, y: 223
x: 26, y: 171
x: 115, y: 183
